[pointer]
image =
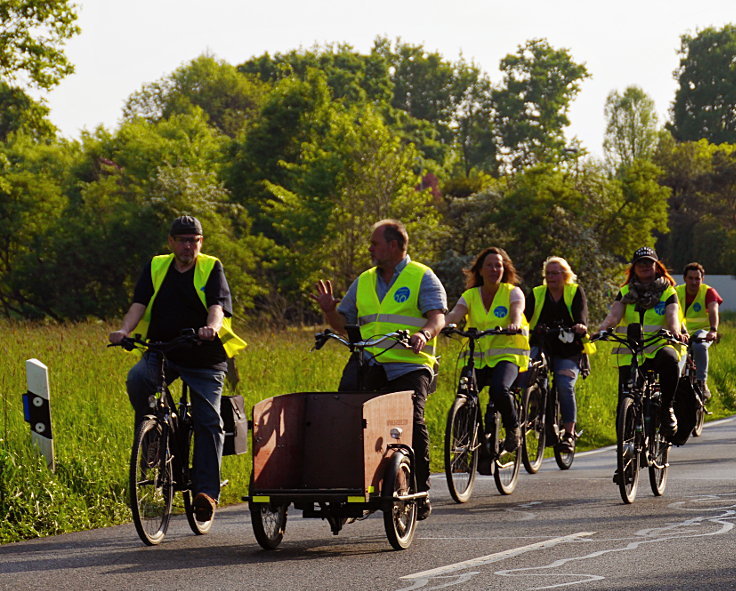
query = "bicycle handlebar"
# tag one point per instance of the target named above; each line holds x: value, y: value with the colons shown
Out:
x: 188, y: 336
x: 474, y: 333
x: 400, y: 336
x: 639, y: 346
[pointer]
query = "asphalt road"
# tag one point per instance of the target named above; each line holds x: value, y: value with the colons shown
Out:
x: 558, y: 530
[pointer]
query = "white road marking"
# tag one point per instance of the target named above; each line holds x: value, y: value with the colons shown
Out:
x: 496, y: 557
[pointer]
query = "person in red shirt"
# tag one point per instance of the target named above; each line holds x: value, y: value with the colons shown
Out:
x: 700, y: 307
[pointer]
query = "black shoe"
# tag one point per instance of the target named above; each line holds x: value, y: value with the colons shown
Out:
x: 615, y: 477
x: 424, y: 509
x: 668, y: 422
x: 513, y: 439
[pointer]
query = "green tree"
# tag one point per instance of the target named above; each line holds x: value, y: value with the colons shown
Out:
x: 19, y: 112
x: 229, y: 98
x: 356, y: 174
x: 702, y: 208
x: 705, y: 101
x: 532, y: 102
x: 631, y: 129
x: 32, y: 37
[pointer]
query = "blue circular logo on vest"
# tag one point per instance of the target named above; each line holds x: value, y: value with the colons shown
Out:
x: 659, y: 308
x: 402, y: 294
x: 697, y: 307
x: 500, y: 311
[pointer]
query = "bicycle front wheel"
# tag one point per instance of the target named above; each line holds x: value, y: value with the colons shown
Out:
x: 564, y: 456
x: 506, y: 464
x: 151, y: 482
x: 659, y: 456
x: 461, y: 448
x: 533, y: 431
x: 627, y: 451
x: 700, y: 411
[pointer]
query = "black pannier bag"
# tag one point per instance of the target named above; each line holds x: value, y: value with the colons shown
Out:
x: 232, y: 411
x: 686, y: 404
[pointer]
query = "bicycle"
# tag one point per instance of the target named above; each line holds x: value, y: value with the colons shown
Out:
x: 464, y: 434
x: 689, y: 376
x: 372, y: 468
x: 543, y: 425
x: 639, y: 441
x: 161, y: 458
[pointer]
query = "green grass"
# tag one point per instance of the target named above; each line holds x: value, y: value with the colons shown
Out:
x: 93, y: 421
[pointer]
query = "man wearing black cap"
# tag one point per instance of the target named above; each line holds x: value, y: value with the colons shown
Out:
x: 648, y: 297
x: 186, y: 289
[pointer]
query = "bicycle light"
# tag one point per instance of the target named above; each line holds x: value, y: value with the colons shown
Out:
x: 396, y: 433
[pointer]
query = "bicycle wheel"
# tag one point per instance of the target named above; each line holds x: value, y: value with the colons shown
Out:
x: 461, y: 448
x: 198, y: 527
x: 151, y: 482
x: 699, y: 412
x: 563, y: 456
x: 506, y: 464
x: 399, y: 517
x: 269, y: 523
x: 659, y: 455
x: 627, y: 452
x: 533, y: 431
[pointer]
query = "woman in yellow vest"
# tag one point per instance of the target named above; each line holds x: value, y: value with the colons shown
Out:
x: 560, y: 302
x: 492, y: 299
x: 648, y: 298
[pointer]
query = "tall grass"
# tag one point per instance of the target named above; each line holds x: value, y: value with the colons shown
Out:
x: 93, y: 420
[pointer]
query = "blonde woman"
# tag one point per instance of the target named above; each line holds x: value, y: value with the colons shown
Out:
x: 560, y: 301
x: 492, y: 299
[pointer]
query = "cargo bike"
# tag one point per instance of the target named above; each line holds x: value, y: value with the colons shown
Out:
x: 338, y: 456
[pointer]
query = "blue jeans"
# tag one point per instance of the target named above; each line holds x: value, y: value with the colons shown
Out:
x: 566, y: 370
x: 700, y: 355
x: 205, y: 387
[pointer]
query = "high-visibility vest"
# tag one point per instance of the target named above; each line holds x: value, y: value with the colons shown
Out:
x: 494, y: 348
x: 654, y: 320
x: 568, y: 294
x: 696, y: 315
x: 399, y: 310
x: 203, y: 266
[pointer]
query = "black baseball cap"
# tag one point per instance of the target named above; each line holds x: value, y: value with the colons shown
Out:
x: 185, y: 224
x: 645, y: 252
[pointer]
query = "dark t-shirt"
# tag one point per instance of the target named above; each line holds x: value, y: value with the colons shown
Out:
x: 556, y: 314
x: 177, y: 306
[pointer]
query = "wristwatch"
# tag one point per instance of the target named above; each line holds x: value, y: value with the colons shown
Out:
x: 426, y: 333
x: 713, y: 329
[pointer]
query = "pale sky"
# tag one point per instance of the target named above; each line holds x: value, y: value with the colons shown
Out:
x: 630, y: 42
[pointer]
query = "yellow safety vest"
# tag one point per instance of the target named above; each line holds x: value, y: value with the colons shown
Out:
x: 568, y: 294
x: 696, y: 315
x: 399, y: 310
x: 494, y: 348
x: 204, y: 264
x: 654, y: 320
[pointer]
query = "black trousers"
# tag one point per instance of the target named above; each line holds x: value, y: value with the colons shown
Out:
x: 665, y: 363
x: 373, y: 378
x: 500, y: 379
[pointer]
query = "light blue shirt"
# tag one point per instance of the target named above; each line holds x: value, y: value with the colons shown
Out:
x: 432, y: 296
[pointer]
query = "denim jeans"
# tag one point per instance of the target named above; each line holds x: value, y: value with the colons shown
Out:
x: 700, y: 355
x: 566, y: 370
x: 205, y: 387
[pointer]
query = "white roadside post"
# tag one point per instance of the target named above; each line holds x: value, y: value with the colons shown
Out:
x: 37, y: 409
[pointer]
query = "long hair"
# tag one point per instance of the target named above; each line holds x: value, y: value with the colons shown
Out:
x: 567, y: 271
x: 472, y: 274
x: 661, y: 271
